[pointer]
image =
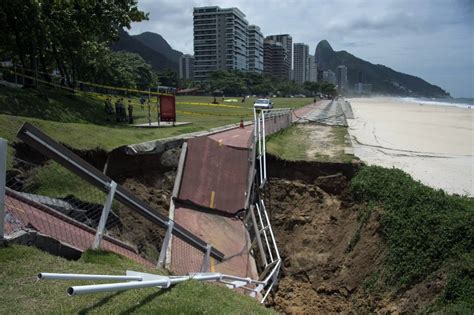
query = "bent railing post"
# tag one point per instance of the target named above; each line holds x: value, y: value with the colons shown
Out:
x: 105, y: 214
x: 177, y: 184
x: 258, y: 237
x: 205, y: 260
x: 164, y: 246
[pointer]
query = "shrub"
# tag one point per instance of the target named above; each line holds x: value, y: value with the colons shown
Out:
x: 423, y: 227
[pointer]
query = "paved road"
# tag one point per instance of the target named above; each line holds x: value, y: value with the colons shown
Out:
x: 332, y: 113
x: 213, y: 193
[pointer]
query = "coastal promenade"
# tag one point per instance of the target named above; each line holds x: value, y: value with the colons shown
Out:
x: 212, y: 196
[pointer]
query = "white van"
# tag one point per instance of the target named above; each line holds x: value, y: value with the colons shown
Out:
x: 263, y: 103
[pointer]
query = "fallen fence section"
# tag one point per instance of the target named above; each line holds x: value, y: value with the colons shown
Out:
x: 138, y: 280
x: 256, y: 220
x: 61, y: 197
x: 51, y: 149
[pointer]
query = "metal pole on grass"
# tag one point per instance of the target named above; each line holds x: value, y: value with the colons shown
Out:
x: 3, y: 170
x: 105, y: 214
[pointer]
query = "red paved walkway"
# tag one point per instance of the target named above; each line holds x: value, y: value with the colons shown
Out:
x: 238, y: 137
x: 227, y: 234
x: 20, y: 215
x: 300, y: 112
x: 215, y: 176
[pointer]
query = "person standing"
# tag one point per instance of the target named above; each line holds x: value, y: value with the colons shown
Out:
x: 142, y: 102
x: 130, y: 112
x: 109, y: 111
x: 117, y: 110
x: 122, y: 113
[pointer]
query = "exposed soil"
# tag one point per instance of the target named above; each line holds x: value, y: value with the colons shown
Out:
x: 331, y: 247
x: 153, y: 183
x: 150, y: 177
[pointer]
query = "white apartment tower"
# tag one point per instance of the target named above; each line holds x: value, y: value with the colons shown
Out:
x: 220, y: 40
x: 286, y: 42
x: 255, y: 49
x: 341, y: 76
x: 186, y: 67
x: 329, y: 76
x: 301, y: 53
x: 312, y: 69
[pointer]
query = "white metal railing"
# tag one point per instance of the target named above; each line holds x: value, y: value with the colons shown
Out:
x: 266, y: 122
x: 268, y: 249
x: 282, y: 119
x: 138, y: 280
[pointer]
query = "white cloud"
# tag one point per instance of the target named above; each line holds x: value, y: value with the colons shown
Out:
x: 429, y: 38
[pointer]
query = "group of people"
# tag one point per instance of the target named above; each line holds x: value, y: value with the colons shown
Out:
x: 119, y: 111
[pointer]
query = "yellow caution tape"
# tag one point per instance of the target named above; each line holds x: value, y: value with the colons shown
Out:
x: 126, y: 89
x: 210, y: 104
x: 211, y: 114
x: 42, y: 81
x: 154, y: 107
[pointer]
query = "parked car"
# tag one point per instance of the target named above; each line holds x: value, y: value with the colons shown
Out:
x: 263, y: 103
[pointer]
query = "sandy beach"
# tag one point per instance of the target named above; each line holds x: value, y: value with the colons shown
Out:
x: 434, y: 144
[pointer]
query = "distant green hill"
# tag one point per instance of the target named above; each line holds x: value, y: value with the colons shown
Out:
x: 383, y: 79
x: 158, y: 59
x: 158, y: 43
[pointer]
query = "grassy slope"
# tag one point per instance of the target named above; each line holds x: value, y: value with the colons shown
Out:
x: 293, y: 143
x: 426, y: 230
x: 289, y: 144
x: 79, y: 120
x: 21, y: 293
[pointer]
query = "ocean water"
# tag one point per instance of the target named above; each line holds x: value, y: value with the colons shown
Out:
x: 458, y: 102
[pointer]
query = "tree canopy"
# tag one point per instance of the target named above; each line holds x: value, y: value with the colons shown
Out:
x: 241, y: 83
x: 70, y: 36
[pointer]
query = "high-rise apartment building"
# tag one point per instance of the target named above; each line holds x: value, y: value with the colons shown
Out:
x: 186, y: 67
x: 312, y: 69
x: 255, y: 49
x: 286, y: 42
x: 300, y: 67
x: 329, y: 76
x: 341, y: 76
x: 363, y: 88
x: 220, y: 40
x: 275, y: 60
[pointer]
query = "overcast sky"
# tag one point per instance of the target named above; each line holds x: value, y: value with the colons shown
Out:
x: 432, y: 39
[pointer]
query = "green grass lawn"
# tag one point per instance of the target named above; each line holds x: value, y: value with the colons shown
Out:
x: 293, y: 144
x: 79, y: 120
x: 289, y: 144
x: 21, y: 293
